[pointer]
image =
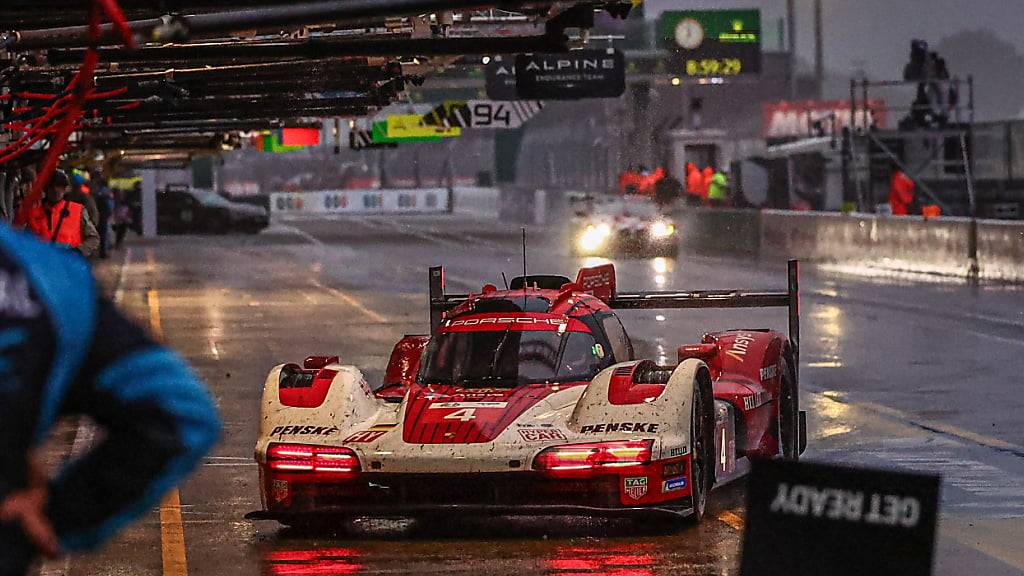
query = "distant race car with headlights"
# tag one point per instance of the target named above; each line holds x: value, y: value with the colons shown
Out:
x: 621, y: 225
x: 530, y: 401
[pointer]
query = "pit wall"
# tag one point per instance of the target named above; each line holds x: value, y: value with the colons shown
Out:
x: 910, y: 244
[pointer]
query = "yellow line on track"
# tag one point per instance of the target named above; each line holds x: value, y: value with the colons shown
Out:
x: 172, y: 536
x: 732, y: 519
x: 172, y: 532
x: 351, y: 302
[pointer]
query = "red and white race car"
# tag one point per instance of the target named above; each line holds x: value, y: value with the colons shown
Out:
x: 529, y: 401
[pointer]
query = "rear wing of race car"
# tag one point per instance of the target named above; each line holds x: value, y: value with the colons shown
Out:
x: 600, y: 281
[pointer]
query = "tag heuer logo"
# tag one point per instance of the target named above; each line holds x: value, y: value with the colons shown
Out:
x: 636, y: 488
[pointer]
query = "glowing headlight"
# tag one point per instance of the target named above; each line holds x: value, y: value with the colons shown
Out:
x: 662, y: 229
x: 594, y: 238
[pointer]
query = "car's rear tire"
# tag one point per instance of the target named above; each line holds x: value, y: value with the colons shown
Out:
x: 789, y: 413
x: 702, y: 453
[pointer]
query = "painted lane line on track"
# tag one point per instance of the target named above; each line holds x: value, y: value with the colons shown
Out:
x: 301, y: 233
x: 334, y: 291
x: 732, y: 519
x: 925, y: 311
x: 929, y: 425
x: 351, y: 302
x: 172, y: 533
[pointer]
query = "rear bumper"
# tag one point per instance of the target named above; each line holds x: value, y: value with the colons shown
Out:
x: 292, y: 497
x: 400, y: 510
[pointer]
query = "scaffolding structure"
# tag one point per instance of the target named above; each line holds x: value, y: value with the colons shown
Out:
x: 936, y: 155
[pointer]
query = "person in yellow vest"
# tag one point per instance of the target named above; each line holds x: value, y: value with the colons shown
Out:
x: 718, y: 190
x: 61, y: 221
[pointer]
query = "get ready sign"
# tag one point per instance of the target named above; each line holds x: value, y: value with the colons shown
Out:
x: 805, y: 519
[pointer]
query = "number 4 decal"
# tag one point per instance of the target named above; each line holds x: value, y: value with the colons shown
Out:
x: 464, y: 414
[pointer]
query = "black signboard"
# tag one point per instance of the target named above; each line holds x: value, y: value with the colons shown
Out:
x: 500, y: 75
x: 805, y: 519
x: 571, y: 75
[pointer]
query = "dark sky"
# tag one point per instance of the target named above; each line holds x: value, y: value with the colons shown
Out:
x: 875, y: 34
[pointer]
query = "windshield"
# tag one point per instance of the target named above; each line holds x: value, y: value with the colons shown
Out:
x: 511, y: 358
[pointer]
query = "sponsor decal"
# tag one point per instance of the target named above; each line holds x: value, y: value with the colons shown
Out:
x: 451, y: 405
x: 673, y: 484
x: 303, y: 431
x: 609, y: 427
x: 598, y: 350
x: 279, y: 490
x: 365, y: 436
x: 677, y: 451
x: 507, y: 320
x: 769, y: 372
x: 757, y: 400
x: 541, y: 434
x: 674, y: 469
x: 533, y: 425
x: 738, y: 350
x: 635, y: 487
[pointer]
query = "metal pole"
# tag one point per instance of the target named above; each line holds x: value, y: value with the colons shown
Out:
x: 819, y: 50
x: 972, y: 237
x: 864, y: 118
x: 791, y: 38
x: 793, y: 277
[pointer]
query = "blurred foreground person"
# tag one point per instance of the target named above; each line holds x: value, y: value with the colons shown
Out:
x: 65, y: 350
x: 62, y: 221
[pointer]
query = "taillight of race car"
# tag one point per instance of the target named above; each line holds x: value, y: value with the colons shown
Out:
x: 339, y: 463
x: 593, y: 459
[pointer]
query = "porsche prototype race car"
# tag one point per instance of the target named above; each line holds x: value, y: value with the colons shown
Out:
x: 621, y: 225
x: 529, y: 401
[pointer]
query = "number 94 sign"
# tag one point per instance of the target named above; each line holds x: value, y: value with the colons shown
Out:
x: 482, y: 113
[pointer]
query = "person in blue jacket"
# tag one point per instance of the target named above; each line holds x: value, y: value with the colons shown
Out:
x: 66, y: 350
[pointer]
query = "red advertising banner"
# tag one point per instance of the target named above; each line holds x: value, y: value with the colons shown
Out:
x: 797, y: 118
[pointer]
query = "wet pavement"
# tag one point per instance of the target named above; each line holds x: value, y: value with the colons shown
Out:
x: 899, y: 372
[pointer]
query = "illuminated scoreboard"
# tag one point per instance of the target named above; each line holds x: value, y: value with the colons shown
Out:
x: 712, y: 43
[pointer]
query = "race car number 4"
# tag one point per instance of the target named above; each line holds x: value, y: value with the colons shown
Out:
x: 465, y: 415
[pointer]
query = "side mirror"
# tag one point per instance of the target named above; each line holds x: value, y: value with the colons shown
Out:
x: 318, y: 362
x: 706, y: 352
x: 405, y: 361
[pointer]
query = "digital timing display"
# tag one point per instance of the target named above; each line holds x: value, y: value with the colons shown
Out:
x: 712, y: 43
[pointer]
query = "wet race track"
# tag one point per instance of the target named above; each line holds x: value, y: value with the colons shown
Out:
x: 896, y: 372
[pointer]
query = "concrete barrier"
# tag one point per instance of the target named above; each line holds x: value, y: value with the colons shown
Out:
x: 719, y: 231
x: 476, y: 201
x: 937, y: 246
x: 911, y: 244
x: 1001, y: 250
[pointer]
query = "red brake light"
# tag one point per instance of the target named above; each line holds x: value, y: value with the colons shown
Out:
x: 307, y: 458
x: 583, y: 460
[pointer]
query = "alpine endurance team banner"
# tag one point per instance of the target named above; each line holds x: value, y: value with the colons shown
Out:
x: 394, y: 201
x: 797, y: 118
